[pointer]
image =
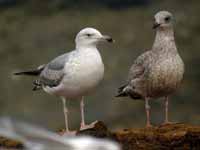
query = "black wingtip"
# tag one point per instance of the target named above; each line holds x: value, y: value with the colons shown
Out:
x: 36, y: 88
x: 117, y: 95
x: 121, y: 95
x: 37, y: 85
x: 17, y: 73
x: 29, y: 72
x: 121, y: 92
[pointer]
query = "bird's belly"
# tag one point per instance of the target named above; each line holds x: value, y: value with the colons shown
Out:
x: 165, y: 78
x: 81, y: 81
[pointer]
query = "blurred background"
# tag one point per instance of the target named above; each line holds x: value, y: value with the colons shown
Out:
x: 32, y: 32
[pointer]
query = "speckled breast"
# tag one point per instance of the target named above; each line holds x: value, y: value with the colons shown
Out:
x: 165, y: 76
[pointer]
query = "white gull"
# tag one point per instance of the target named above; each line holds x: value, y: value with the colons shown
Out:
x: 73, y: 75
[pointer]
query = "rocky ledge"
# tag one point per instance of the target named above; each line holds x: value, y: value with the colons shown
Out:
x: 167, y: 137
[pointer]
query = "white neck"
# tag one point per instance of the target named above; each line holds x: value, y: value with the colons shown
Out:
x: 86, y: 47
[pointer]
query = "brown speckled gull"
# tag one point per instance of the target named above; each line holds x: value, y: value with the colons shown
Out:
x: 159, y: 71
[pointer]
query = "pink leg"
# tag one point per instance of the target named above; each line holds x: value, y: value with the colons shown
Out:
x: 166, y: 110
x: 82, y: 112
x: 147, y: 108
x: 65, y: 110
x: 83, y: 125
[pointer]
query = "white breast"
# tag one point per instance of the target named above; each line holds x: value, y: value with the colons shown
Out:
x: 83, y: 73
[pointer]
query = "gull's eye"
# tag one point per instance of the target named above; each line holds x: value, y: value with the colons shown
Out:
x: 88, y: 35
x: 167, y: 19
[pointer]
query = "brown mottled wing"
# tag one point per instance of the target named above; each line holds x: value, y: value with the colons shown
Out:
x: 139, y: 67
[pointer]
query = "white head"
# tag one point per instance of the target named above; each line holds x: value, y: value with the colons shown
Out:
x: 163, y: 20
x: 90, y: 37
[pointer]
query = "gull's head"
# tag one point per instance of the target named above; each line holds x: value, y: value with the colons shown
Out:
x: 90, y: 37
x: 163, y: 20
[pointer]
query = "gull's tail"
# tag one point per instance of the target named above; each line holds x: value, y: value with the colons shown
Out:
x: 34, y: 72
x: 121, y: 91
x: 127, y: 91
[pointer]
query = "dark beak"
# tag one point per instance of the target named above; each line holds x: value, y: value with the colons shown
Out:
x: 108, y: 38
x: 156, y: 25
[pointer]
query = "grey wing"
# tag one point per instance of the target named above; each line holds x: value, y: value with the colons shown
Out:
x: 50, y: 77
x: 53, y: 73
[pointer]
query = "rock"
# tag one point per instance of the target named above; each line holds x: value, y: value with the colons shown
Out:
x: 172, y: 136
x: 100, y: 130
x: 10, y: 144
